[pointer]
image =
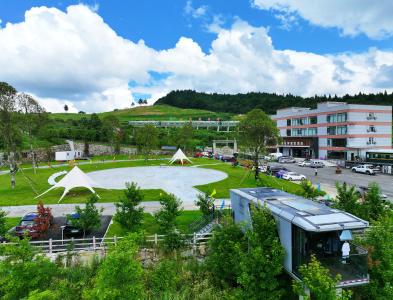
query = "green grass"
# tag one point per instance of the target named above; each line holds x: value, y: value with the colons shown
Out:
x: 242, y: 178
x: 144, y: 113
x: 151, y: 227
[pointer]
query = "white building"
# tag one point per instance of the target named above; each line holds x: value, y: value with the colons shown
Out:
x: 334, y: 130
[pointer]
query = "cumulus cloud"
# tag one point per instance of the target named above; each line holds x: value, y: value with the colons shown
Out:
x: 74, y: 58
x: 195, y: 12
x: 353, y: 17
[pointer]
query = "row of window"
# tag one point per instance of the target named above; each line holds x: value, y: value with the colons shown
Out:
x: 337, y: 130
x: 302, y: 121
x: 302, y: 131
x: 337, y: 118
x: 343, y: 142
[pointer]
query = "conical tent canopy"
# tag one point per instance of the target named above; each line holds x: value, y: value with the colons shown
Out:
x: 179, y: 156
x: 75, y: 178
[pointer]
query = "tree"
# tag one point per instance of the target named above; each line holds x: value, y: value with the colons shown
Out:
x: 379, y: 241
x: 261, y: 263
x: 184, y: 136
x: 146, y: 139
x: 33, y: 119
x: 9, y: 126
x: 308, y: 190
x: 89, y: 217
x: 166, y: 219
x: 222, y: 260
x: 128, y: 214
x: 374, y: 206
x: 205, y: 204
x: 120, y: 276
x: 112, y: 131
x: 66, y: 108
x: 347, y: 198
x: 3, y: 228
x: 317, y: 280
x: 258, y: 131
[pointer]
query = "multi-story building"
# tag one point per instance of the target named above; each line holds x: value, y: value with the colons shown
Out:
x: 334, y: 130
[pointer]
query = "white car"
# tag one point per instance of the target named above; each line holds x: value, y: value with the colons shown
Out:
x: 304, y: 163
x: 365, y: 169
x: 293, y: 176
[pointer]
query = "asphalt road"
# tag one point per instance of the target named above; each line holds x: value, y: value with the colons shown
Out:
x: 327, y: 177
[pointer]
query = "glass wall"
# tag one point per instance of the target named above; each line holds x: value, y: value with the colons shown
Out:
x: 337, y: 118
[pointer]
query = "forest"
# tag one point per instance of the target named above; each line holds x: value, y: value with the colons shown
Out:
x: 268, y: 102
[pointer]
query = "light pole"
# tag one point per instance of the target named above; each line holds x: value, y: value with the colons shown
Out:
x: 62, y: 234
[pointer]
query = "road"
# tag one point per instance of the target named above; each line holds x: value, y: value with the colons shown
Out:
x: 328, y: 178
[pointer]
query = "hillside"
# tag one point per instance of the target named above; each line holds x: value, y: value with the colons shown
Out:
x: 242, y: 103
x: 156, y: 112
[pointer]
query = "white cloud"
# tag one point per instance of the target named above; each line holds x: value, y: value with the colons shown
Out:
x: 195, y: 12
x: 74, y: 58
x: 353, y: 17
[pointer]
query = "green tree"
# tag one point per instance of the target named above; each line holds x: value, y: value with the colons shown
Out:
x: 165, y: 277
x: 89, y: 216
x: 317, y: 282
x: 347, y: 198
x: 308, y: 190
x: 120, y: 276
x: 112, y: 131
x: 261, y: 264
x: 3, y: 228
x: 257, y: 131
x: 184, y: 136
x: 225, y: 247
x: 374, y: 206
x: 166, y: 219
x: 22, y: 270
x: 205, y: 204
x: 66, y: 108
x: 379, y: 241
x: 128, y: 214
x: 10, y: 134
x: 33, y: 120
x: 146, y: 139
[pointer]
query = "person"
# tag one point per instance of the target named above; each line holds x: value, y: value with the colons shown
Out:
x: 316, y: 171
x: 345, y: 251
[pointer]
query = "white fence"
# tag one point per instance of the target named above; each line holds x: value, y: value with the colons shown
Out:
x: 98, y: 244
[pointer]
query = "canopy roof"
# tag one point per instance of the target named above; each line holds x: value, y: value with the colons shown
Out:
x: 75, y: 178
x: 179, y: 156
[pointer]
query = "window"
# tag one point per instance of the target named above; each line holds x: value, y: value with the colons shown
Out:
x: 337, y: 118
x: 331, y: 130
x: 313, y: 120
x: 288, y: 122
x: 288, y: 132
x: 312, y: 131
x: 371, y: 129
x: 371, y: 116
x: 341, y: 130
x: 371, y: 141
x: 342, y: 117
x: 337, y: 142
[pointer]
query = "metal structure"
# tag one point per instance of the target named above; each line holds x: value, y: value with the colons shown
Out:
x: 308, y: 228
x: 226, y: 126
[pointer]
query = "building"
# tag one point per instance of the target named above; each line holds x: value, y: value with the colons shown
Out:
x: 217, y: 125
x: 307, y: 228
x: 334, y: 130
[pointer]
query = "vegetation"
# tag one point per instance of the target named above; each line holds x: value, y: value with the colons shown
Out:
x: 308, y: 190
x: 3, y: 224
x: 205, y: 204
x: 347, y: 198
x: 257, y: 131
x: 317, y: 281
x: 146, y: 139
x: 89, y: 216
x: 128, y: 214
x: 268, y: 102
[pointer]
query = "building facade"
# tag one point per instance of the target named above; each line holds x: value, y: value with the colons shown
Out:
x: 334, y: 130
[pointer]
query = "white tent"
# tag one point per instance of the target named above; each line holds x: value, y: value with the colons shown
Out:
x: 75, y: 178
x: 179, y: 156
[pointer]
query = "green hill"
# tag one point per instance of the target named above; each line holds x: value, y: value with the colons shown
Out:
x: 156, y: 112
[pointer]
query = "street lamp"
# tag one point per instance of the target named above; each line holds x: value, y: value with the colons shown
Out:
x: 62, y: 234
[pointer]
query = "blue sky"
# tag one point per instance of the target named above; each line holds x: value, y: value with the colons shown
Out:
x: 209, y: 46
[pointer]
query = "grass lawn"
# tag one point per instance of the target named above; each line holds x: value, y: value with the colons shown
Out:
x: 242, y: 178
x: 24, y: 194
x: 151, y: 227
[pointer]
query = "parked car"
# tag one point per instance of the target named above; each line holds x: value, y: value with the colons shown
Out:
x: 273, y: 156
x: 293, y: 176
x: 27, y: 225
x: 304, y: 163
x: 198, y: 154
x: 262, y: 168
x: 69, y: 228
x: 226, y: 158
x: 273, y: 170
x: 286, y: 159
x: 317, y: 164
x: 364, y: 169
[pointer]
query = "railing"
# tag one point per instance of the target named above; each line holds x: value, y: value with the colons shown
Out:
x: 98, y: 244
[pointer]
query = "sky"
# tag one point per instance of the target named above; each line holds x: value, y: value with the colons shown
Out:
x: 100, y: 55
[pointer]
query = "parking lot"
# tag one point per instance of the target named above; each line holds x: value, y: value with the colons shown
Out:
x: 328, y: 177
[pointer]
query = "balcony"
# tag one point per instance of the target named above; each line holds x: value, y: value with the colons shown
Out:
x: 352, y: 269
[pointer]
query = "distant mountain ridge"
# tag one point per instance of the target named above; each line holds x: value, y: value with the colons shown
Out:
x: 242, y: 103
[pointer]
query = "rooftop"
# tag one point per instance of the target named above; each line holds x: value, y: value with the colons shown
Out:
x: 304, y: 213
